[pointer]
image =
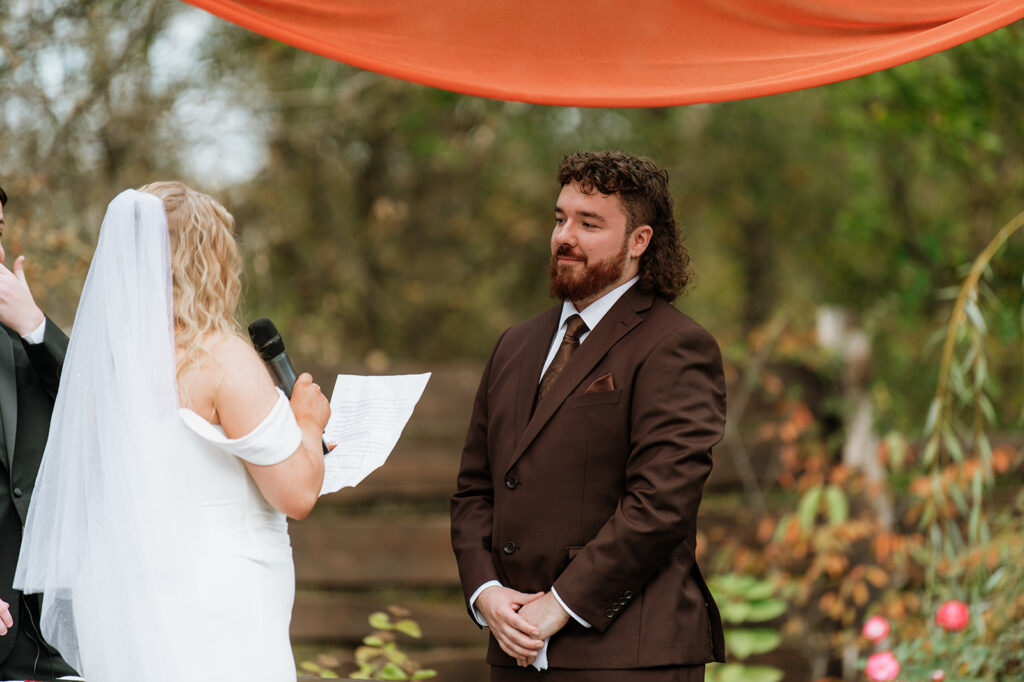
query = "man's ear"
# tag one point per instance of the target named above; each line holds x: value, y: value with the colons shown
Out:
x: 639, y: 240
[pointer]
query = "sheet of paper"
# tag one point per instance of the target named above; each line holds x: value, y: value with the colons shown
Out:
x: 367, y: 417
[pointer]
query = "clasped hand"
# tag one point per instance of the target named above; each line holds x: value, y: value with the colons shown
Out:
x: 521, y: 622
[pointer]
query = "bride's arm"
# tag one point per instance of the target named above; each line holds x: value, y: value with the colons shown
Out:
x: 244, y: 398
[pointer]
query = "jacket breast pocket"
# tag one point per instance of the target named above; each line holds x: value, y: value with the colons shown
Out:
x: 593, y: 399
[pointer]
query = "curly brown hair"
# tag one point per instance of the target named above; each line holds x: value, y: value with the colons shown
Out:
x: 643, y: 189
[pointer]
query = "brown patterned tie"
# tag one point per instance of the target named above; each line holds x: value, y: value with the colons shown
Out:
x: 575, y: 327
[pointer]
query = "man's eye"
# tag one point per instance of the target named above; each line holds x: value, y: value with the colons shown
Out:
x: 559, y: 221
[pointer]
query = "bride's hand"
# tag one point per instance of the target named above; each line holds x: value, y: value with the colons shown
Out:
x: 309, y: 404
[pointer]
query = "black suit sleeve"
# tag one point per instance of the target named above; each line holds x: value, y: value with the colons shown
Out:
x: 47, y: 358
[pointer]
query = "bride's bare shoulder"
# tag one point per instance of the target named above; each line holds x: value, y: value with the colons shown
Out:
x: 242, y: 369
x: 245, y: 393
x: 229, y: 350
x: 217, y: 357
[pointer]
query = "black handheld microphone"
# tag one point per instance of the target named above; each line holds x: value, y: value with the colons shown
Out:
x: 268, y: 344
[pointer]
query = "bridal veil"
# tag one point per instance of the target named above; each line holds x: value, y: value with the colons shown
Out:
x: 111, y: 536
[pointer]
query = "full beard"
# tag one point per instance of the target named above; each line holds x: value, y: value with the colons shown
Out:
x: 593, y: 280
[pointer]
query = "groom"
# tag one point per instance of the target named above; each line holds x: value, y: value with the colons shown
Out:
x: 575, y: 519
x: 31, y: 354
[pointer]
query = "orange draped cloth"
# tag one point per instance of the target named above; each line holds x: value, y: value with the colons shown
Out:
x: 620, y: 53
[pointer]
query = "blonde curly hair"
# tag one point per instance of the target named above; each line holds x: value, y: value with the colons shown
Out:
x: 206, y: 267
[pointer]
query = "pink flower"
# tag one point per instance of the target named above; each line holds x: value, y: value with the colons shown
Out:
x: 938, y: 675
x: 953, y: 616
x: 875, y: 629
x: 882, y: 667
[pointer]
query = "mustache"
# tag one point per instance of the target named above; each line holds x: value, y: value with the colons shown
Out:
x: 566, y: 250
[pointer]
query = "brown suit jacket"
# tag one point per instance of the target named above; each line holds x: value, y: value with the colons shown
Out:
x: 597, y: 492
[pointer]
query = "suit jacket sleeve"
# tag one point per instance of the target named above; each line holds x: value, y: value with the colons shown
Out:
x: 472, y: 506
x: 678, y: 414
x: 47, y: 358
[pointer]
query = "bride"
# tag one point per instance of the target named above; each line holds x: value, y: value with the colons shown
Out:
x: 157, y: 529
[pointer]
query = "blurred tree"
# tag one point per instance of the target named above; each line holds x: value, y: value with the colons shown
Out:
x: 933, y: 154
x: 82, y: 114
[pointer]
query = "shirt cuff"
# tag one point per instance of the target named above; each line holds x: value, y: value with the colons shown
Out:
x: 472, y: 601
x: 541, y: 662
x: 37, y: 335
x: 568, y: 610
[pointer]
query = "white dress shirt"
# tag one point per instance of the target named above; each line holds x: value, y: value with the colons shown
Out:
x: 37, y: 335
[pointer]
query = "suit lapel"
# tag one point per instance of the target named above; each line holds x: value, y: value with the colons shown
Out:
x: 8, y: 398
x: 622, y: 317
x: 530, y: 362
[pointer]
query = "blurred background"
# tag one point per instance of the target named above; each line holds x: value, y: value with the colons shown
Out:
x: 391, y: 227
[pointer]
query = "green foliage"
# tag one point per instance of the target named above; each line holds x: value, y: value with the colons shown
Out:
x: 738, y: 672
x: 744, y: 599
x: 318, y: 670
x: 958, y: 421
x: 380, y: 657
x: 991, y: 647
x: 972, y: 554
x: 744, y: 643
x: 830, y: 500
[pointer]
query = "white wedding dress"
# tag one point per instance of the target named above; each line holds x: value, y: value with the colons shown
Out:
x: 249, y: 583
x: 157, y: 556
x: 245, y: 582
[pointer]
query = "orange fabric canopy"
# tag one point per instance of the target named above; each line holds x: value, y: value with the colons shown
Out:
x: 613, y: 53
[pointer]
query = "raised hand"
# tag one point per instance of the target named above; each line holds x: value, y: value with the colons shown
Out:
x: 517, y: 637
x: 18, y: 310
x: 309, y: 404
x: 5, y: 617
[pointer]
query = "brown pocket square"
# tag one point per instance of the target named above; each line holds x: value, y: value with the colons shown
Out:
x: 600, y: 384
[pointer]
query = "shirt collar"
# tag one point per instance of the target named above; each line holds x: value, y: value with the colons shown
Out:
x: 593, y: 313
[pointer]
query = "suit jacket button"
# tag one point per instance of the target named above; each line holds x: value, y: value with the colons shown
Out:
x: 18, y: 492
x: 511, y: 482
x: 509, y: 548
x: 609, y: 614
x: 627, y: 594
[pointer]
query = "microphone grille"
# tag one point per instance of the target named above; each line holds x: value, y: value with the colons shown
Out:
x: 265, y: 338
